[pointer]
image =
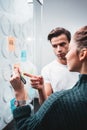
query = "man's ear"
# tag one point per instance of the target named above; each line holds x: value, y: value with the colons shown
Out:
x: 83, y: 54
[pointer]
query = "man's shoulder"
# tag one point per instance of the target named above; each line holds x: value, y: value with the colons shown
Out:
x: 50, y: 65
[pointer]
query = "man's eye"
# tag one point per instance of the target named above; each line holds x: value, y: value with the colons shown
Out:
x: 63, y: 44
x: 54, y: 46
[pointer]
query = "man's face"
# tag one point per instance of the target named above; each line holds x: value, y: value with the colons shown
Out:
x: 60, y: 46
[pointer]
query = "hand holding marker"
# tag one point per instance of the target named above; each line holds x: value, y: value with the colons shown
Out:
x: 21, y: 77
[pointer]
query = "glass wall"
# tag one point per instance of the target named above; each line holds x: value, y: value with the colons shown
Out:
x: 20, y: 37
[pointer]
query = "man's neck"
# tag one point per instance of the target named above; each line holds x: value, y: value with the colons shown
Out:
x: 63, y: 61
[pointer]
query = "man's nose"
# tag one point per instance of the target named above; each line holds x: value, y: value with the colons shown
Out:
x: 58, y: 48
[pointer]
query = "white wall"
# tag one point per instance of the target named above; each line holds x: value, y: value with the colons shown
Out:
x: 70, y: 14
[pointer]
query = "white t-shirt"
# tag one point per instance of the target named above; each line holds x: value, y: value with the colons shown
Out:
x: 59, y: 76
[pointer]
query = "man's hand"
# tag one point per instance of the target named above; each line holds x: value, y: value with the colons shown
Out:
x: 37, y: 82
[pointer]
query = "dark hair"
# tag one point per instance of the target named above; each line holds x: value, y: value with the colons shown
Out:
x: 58, y: 31
x: 80, y: 37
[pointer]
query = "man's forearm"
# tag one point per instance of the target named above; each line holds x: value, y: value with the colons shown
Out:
x: 42, y: 96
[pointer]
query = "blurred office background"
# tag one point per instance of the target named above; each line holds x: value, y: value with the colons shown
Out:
x: 24, y: 26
